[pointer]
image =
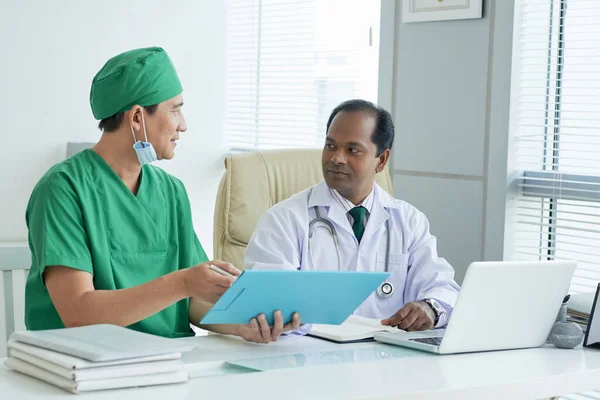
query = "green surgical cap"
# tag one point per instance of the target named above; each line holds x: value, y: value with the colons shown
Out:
x: 143, y: 76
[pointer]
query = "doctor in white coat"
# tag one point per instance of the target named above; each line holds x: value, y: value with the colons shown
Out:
x: 348, y: 222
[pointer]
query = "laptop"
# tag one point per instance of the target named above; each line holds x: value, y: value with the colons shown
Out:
x: 501, y: 305
x: 592, y: 333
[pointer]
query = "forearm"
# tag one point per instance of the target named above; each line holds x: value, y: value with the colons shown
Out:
x: 124, y: 307
x: 222, y: 329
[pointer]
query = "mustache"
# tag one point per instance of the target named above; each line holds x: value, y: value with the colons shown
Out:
x: 333, y: 168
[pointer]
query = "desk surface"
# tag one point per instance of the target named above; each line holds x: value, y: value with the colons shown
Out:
x: 515, y: 374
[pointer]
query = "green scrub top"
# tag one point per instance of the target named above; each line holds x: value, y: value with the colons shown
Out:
x: 81, y: 215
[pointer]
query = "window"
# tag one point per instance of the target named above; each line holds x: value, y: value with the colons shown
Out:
x: 554, y: 207
x: 290, y: 62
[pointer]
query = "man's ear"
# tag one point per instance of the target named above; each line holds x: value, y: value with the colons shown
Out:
x: 383, y: 159
x: 134, y: 117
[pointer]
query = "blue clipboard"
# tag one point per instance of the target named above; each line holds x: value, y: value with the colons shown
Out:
x: 321, y: 297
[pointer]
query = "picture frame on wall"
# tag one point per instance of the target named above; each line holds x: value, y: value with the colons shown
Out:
x: 440, y: 10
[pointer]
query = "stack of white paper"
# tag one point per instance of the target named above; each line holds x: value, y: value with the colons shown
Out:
x: 97, y: 357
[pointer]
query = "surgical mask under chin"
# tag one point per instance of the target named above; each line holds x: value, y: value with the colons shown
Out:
x: 144, y: 150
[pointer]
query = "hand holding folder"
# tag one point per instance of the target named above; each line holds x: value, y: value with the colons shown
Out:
x: 259, y: 330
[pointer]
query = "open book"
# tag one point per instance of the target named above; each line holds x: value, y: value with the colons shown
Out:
x: 354, y: 329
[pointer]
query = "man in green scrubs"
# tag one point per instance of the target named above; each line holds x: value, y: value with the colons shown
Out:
x: 110, y: 235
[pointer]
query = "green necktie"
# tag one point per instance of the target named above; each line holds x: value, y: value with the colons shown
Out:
x: 359, y: 214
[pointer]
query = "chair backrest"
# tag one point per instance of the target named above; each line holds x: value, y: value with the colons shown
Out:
x: 15, y: 261
x: 253, y: 183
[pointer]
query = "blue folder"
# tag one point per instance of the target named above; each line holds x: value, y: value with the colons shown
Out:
x: 321, y: 297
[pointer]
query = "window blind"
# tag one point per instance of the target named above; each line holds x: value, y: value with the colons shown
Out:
x: 554, y: 207
x: 289, y: 63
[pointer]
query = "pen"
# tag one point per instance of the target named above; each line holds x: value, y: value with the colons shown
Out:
x: 220, y: 271
x: 566, y: 298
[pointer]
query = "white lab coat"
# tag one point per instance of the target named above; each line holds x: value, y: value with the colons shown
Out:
x: 280, y: 241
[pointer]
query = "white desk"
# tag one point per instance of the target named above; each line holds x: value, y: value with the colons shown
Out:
x: 517, y: 374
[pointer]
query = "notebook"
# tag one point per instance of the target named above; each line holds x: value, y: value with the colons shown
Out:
x: 354, y: 329
x: 69, y: 362
x: 100, y: 343
x: 100, y: 384
x: 108, y: 372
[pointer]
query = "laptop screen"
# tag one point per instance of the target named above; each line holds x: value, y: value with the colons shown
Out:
x: 592, y: 335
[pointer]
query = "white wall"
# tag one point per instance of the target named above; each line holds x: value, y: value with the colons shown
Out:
x: 51, y: 50
x: 450, y: 104
x: 446, y: 83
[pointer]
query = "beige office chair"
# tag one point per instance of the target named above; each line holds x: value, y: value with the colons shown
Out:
x: 253, y: 183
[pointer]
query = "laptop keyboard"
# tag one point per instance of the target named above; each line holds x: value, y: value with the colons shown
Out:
x: 436, y: 341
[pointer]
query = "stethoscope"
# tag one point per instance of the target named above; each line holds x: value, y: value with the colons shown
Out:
x: 386, y: 289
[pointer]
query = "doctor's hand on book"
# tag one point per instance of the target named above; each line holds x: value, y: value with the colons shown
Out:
x: 259, y: 331
x: 415, y: 316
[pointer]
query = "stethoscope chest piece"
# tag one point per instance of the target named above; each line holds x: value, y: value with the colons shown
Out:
x: 385, y: 290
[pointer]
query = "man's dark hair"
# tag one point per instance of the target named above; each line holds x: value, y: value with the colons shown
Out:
x: 383, y: 137
x: 113, y: 123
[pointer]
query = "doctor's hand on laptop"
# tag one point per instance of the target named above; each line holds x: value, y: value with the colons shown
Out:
x: 417, y: 316
x: 259, y: 331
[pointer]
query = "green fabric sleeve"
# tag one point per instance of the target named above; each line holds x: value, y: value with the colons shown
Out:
x: 57, y: 230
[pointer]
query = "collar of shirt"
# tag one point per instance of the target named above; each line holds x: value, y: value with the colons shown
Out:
x: 348, y: 205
